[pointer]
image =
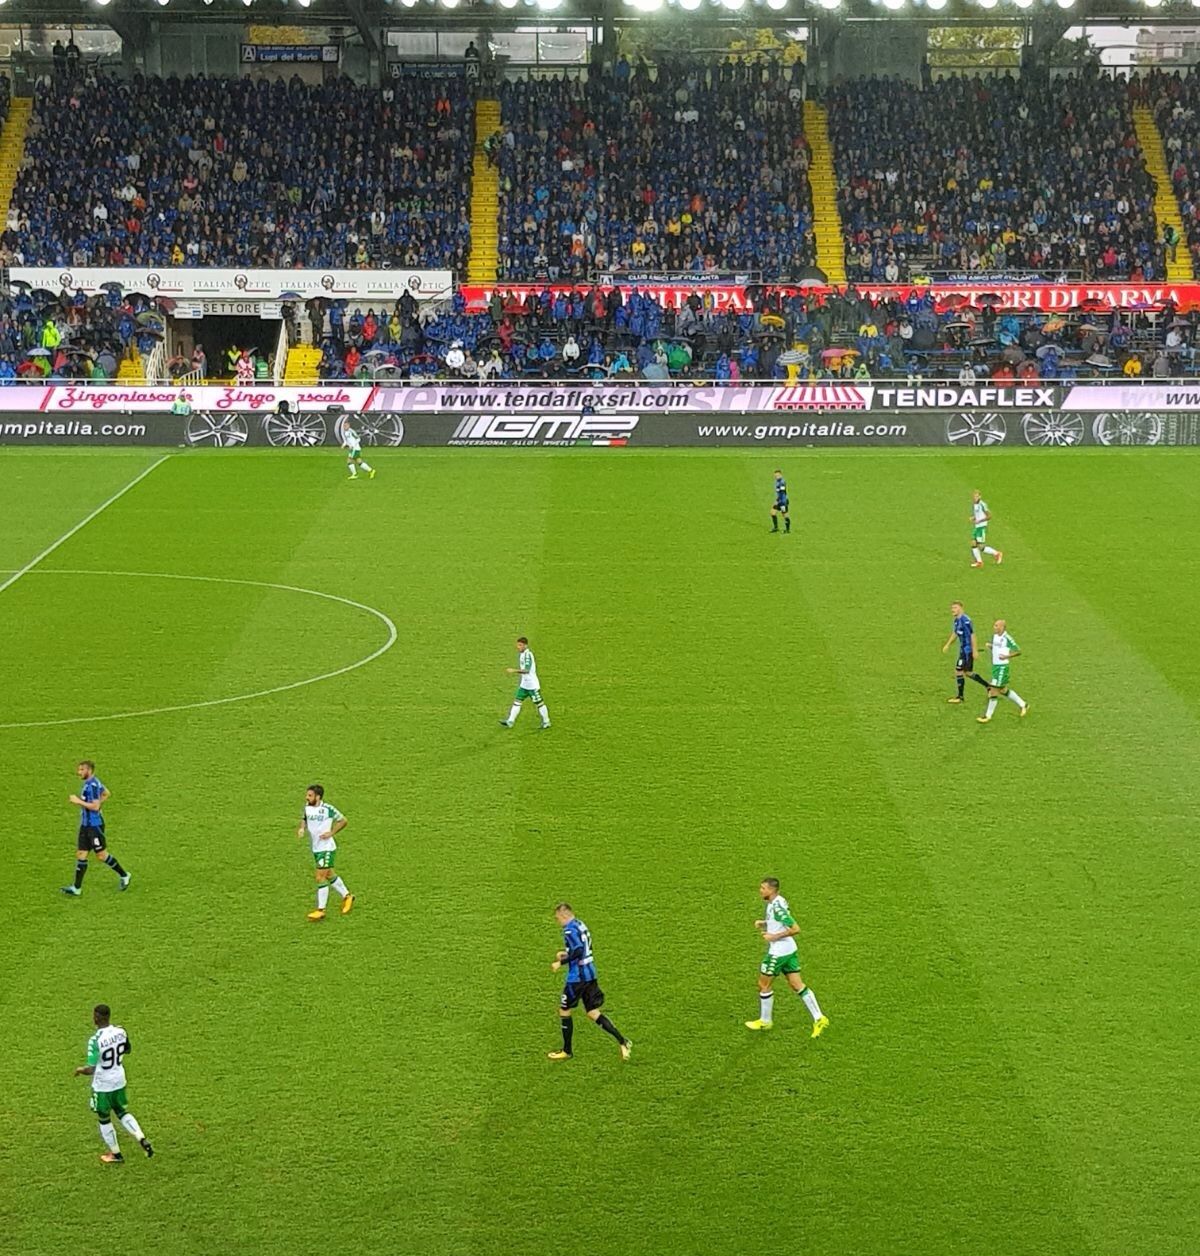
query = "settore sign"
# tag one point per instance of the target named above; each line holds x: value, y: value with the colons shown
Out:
x: 182, y: 283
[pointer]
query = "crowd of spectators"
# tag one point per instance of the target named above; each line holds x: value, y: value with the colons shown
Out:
x: 66, y: 336
x: 997, y: 174
x: 242, y: 172
x: 1175, y: 101
x: 685, y: 167
x: 593, y: 333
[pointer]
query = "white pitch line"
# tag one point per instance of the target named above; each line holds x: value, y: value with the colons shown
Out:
x: 66, y: 536
x: 393, y: 633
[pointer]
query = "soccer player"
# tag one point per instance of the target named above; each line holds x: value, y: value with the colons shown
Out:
x: 323, y: 820
x: 980, y: 518
x: 781, y: 505
x: 1004, y: 649
x: 352, y: 444
x: 581, y: 985
x: 963, y: 631
x: 779, y: 933
x: 106, y: 1051
x: 529, y: 686
x: 90, y: 801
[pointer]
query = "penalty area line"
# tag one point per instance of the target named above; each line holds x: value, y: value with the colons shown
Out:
x: 66, y: 536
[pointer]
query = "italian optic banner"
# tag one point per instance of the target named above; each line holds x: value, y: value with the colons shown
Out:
x: 194, y: 284
x: 317, y: 428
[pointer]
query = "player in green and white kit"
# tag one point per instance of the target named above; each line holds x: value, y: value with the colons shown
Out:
x: 530, y: 686
x: 980, y: 518
x: 352, y: 444
x: 106, y: 1050
x: 1004, y: 648
x: 779, y: 933
x: 321, y: 820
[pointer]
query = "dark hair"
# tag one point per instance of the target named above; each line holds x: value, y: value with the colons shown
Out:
x: 319, y: 790
x: 564, y: 907
x: 522, y: 641
x: 773, y: 882
x: 87, y: 763
x: 102, y: 1010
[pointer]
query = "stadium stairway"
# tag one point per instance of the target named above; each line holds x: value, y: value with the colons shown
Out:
x: 485, y: 199
x: 827, y: 221
x: 302, y: 366
x: 1166, y: 203
x: 132, y: 369
x: 12, y: 148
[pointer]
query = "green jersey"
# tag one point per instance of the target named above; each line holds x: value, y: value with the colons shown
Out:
x: 528, y: 668
x: 1002, y: 646
x: 105, y: 1050
x: 779, y: 917
x: 319, y: 820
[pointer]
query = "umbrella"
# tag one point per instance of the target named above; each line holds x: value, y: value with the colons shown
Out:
x: 792, y: 357
x: 1092, y: 305
x: 1047, y: 351
x: 42, y: 295
x: 654, y: 371
x: 107, y: 362
x: 987, y: 298
x: 953, y: 301
x: 1054, y: 324
x: 375, y: 353
x: 957, y: 323
x: 772, y: 320
x: 1100, y: 360
x: 20, y: 285
x: 152, y: 320
x: 38, y: 353
x: 387, y: 372
x: 830, y: 355
x: 983, y: 340
x: 290, y: 296
x: 111, y: 286
x: 166, y: 304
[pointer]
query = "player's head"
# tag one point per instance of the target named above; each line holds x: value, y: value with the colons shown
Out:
x: 283, y: 407
x: 956, y: 609
x: 769, y: 887
x: 522, y: 643
x: 999, y: 626
x: 314, y: 794
x: 976, y: 495
x: 85, y: 769
x: 101, y: 1015
x: 564, y: 912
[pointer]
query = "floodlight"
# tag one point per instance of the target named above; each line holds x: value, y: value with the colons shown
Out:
x: 776, y: 4
x: 893, y: 4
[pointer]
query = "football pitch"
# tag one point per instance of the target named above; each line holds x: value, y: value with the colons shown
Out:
x: 999, y: 919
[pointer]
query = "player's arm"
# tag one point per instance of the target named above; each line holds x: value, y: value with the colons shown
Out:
x: 949, y: 641
x: 789, y: 931
x: 974, y: 645
x: 300, y: 827
x: 93, y: 1058
x: 574, y: 951
x: 337, y: 826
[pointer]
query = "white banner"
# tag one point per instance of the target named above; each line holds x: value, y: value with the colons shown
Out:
x: 195, y: 284
x: 1133, y: 397
x: 114, y: 399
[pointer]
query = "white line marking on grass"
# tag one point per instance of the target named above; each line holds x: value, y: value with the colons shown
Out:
x: 241, y: 697
x: 66, y: 536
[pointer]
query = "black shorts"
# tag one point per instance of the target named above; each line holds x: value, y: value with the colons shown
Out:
x: 780, y: 508
x: 91, y: 837
x: 586, y: 992
x: 966, y: 661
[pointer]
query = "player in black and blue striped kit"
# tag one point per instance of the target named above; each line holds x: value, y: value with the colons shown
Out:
x: 963, y: 632
x: 781, y: 505
x: 581, y: 984
x: 90, y: 800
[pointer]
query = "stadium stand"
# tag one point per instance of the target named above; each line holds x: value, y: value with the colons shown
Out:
x: 699, y: 168
x: 242, y: 172
x: 1174, y: 100
x: 971, y: 174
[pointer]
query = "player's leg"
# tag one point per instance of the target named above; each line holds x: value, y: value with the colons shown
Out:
x: 766, y: 995
x: 593, y: 1002
x: 542, y: 710
x: 343, y: 890
x: 976, y: 541
x: 81, y: 865
x: 959, y: 681
x: 774, y: 519
x: 565, y: 1005
x: 1014, y: 697
x: 364, y: 465
x: 100, y: 850
x: 101, y: 1103
x: 787, y: 521
x: 994, y: 695
x: 129, y: 1121
x: 322, y: 879
x: 350, y: 456
x: 820, y: 1020
x: 515, y: 709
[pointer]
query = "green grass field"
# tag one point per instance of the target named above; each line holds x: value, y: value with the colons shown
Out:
x: 1000, y: 920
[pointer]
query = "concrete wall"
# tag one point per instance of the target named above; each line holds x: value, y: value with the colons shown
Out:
x: 889, y: 49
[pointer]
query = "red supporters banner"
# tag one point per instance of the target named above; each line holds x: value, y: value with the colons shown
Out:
x: 1048, y: 297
